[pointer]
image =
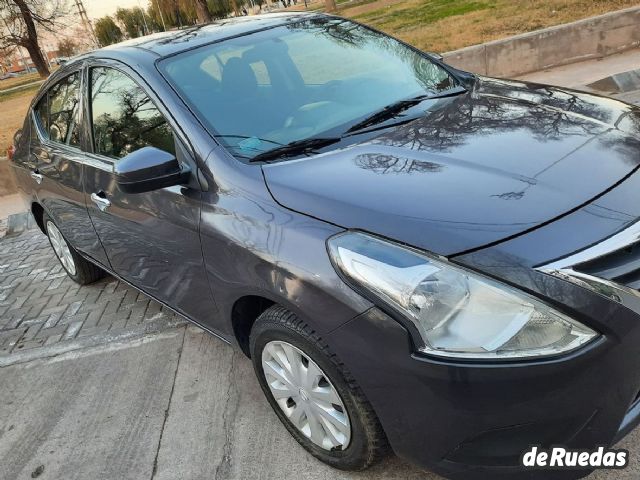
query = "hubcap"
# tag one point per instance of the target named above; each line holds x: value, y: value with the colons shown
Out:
x: 306, y: 396
x: 61, y: 248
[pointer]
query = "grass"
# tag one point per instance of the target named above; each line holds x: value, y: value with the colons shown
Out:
x: 30, y: 89
x: 20, y: 80
x: 403, y: 17
x: 443, y: 25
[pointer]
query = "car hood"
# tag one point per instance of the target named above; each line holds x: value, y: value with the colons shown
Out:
x: 475, y: 169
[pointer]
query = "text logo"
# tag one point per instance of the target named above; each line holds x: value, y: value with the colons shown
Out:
x: 560, y: 457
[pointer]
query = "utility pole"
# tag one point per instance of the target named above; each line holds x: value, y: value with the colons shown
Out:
x: 86, y: 22
x: 144, y: 18
x: 164, y: 26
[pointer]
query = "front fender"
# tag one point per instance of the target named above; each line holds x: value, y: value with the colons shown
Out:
x: 253, y: 246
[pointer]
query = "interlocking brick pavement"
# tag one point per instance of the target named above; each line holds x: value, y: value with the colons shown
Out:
x: 41, y: 306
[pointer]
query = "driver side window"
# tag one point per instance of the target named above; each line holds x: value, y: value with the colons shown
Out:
x: 124, y: 118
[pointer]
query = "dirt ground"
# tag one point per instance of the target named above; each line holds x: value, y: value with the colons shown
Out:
x: 7, y: 181
x: 12, y: 113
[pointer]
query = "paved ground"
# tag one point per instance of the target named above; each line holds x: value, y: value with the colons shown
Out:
x: 179, y: 404
x: 41, y: 307
x: 101, y: 382
x: 579, y: 75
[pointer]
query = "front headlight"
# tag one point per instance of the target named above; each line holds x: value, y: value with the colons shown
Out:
x: 457, y: 313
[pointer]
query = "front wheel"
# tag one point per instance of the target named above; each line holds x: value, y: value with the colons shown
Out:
x: 313, y: 394
x: 80, y: 270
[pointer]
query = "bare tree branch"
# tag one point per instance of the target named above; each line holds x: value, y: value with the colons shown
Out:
x: 20, y: 22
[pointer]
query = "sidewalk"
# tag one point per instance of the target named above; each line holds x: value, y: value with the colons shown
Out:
x: 581, y: 75
x: 176, y: 405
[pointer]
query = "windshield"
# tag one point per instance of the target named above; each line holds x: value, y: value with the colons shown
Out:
x: 298, y: 81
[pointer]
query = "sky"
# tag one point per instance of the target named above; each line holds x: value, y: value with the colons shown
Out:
x: 100, y: 8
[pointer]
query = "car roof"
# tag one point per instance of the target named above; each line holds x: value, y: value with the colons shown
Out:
x: 167, y: 43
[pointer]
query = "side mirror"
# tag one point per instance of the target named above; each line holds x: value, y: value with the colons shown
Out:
x: 148, y: 169
x: 436, y: 56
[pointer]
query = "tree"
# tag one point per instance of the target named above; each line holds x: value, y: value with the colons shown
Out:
x: 202, y: 10
x: 170, y: 13
x: 330, y: 5
x: 67, y: 47
x: 222, y: 8
x: 107, y: 31
x: 136, y: 22
x: 20, y: 22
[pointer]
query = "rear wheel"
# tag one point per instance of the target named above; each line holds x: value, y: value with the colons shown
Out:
x: 79, y: 269
x: 313, y: 394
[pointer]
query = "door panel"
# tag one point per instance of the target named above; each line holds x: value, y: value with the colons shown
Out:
x: 151, y: 239
x: 57, y: 163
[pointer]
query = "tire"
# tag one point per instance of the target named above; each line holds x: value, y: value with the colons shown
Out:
x: 278, y: 331
x: 80, y: 270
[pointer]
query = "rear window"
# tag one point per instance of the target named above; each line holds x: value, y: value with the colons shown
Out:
x: 58, y: 111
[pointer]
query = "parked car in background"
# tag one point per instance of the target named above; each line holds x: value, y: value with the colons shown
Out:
x: 413, y: 256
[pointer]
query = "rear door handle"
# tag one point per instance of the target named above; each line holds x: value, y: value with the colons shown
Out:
x: 36, y: 176
x: 100, y: 200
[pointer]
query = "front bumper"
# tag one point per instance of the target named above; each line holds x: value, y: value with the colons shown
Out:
x: 475, y: 420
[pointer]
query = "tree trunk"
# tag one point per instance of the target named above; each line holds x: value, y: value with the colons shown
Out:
x: 330, y: 5
x: 204, y: 16
x: 30, y: 42
x: 37, y: 58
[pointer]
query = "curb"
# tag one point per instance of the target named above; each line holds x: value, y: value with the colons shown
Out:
x: 624, y: 82
x: 19, y: 222
x: 586, y: 39
x: 19, y: 88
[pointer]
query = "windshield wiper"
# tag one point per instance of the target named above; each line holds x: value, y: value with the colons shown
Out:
x: 393, y: 110
x: 246, y: 137
x: 298, y: 147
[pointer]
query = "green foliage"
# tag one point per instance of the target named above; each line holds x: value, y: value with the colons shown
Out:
x: 107, y: 31
x: 67, y: 47
x: 135, y: 21
x: 181, y: 13
x: 178, y: 13
x: 220, y: 8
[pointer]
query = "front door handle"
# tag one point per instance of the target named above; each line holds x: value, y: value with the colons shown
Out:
x: 36, y: 176
x: 100, y: 200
